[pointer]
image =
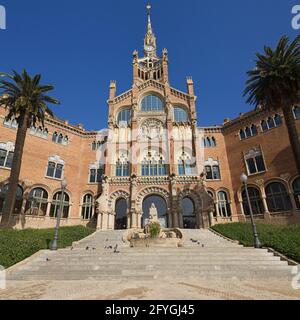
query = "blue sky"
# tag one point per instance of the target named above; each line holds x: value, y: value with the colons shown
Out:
x: 79, y: 46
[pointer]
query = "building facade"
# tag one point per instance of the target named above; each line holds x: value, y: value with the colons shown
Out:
x: 153, y: 152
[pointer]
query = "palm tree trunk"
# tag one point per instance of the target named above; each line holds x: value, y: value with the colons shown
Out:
x: 10, y: 200
x: 293, y: 134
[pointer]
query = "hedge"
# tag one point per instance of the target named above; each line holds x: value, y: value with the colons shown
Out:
x: 17, y: 245
x: 284, y: 239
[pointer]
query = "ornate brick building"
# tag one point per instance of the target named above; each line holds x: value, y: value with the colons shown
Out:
x: 153, y: 152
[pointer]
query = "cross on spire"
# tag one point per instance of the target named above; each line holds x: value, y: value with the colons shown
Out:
x: 150, y: 40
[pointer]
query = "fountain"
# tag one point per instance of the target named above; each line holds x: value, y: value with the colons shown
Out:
x: 154, y: 235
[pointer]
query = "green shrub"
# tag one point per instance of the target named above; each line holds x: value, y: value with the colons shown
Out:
x: 284, y: 239
x: 17, y: 245
x: 154, y: 229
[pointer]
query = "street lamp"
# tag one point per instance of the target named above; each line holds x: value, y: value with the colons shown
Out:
x: 244, y: 180
x: 54, y: 244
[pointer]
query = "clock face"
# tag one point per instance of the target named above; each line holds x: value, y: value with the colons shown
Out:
x: 149, y: 48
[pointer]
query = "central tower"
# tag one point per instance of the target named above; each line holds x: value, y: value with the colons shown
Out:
x: 153, y: 149
x: 150, y: 66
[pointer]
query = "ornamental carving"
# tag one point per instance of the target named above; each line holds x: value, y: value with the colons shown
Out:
x: 192, y: 195
x: 152, y: 129
x: 151, y: 191
x: 115, y: 196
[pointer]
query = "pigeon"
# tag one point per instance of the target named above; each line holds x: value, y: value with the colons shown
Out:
x: 116, y: 249
x: 194, y: 241
x: 72, y: 248
x: 87, y: 248
x: 94, y: 248
x: 47, y: 259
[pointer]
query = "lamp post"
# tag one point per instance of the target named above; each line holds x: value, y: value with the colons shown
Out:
x: 244, y: 180
x: 54, y: 244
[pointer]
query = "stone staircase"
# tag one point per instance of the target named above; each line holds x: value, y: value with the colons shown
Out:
x: 104, y: 256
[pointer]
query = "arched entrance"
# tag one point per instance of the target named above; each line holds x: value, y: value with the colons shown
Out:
x: 161, y: 206
x: 121, y: 214
x: 188, y: 213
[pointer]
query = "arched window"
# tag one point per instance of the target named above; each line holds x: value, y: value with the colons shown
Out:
x: 212, y: 196
x: 242, y: 134
x: 87, y: 208
x: 271, y: 123
x: 212, y: 169
x: 213, y: 142
x: 188, y: 213
x: 248, y: 132
x: 37, y: 202
x: 45, y: 133
x: 254, y: 130
x: 96, y: 172
x: 65, y: 140
x: 277, y: 197
x: 152, y: 103
x: 264, y: 126
x: 19, y: 199
x: 296, y: 189
x: 255, y: 161
x: 224, y: 205
x: 55, y: 205
x: 153, y: 165
x: 121, y: 214
x: 278, y: 120
x: 124, y: 116
x: 94, y: 145
x: 180, y: 115
x: 54, y: 137
x: 122, y: 168
x: 297, y: 112
x: 255, y: 200
x: 55, y: 168
x: 6, y: 155
x: 60, y: 139
x: 208, y: 142
x: 185, y: 165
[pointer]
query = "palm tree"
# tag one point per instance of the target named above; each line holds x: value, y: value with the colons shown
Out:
x: 26, y: 102
x: 275, y: 84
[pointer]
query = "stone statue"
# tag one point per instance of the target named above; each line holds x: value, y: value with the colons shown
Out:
x: 153, y: 215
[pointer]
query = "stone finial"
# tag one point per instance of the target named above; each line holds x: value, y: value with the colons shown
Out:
x: 112, y: 89
x: 190, y: 86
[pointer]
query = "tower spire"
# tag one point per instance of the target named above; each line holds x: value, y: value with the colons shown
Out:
x: 150, y: 40
x: 149, y: 18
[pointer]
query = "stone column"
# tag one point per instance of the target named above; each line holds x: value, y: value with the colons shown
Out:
x: 267, y: 214
x: 217, y: 211
x: 105, y: 220
x: 174, y: 205
x: 294, y: 204
x: 133, y: 223
x: 99, y: 221
x: 139, y: 220
x: 133, y: 213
